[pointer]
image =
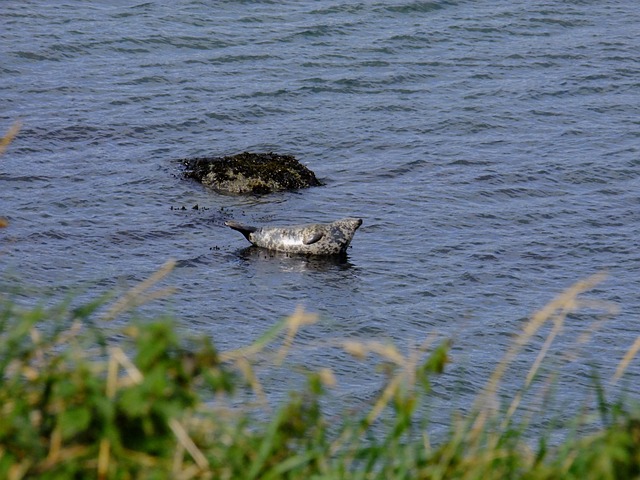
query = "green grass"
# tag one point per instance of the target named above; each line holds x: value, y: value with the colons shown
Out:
x: 153, y: 404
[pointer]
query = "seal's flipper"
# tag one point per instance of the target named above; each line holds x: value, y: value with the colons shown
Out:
x: 313, y: 238
x: 243, y: 229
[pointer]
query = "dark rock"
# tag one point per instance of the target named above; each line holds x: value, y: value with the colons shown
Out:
x: 257, y: 173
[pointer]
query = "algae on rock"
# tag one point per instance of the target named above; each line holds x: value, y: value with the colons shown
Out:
x: 256, y: 173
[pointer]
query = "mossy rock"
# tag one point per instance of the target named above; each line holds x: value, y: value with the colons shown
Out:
x: 257, y: 173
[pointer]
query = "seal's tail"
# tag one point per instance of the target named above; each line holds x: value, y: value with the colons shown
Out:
x: 243, y: 229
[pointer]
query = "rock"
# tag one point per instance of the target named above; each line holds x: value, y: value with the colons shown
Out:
x: 257, y: 173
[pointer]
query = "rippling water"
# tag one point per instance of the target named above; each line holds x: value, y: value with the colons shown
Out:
x: 490, y: 147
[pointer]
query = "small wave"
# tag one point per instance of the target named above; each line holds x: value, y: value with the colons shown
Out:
x: 418, y: 7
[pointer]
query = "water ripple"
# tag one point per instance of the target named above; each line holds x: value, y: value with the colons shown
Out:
x: 491, y: 149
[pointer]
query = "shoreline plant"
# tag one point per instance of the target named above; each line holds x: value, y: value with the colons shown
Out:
x: 79, y: 401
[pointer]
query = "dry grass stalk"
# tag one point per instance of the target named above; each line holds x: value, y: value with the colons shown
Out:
x: 360, y: 350
x: 244, y: 352
x: 9, y: 136
x: 65, y: 455
x: 241, y: 356
x: 178, y: 457
x: 626, y: 360
x: 103, y: 458
x: 404, y: 378
x: 387, y: 395
x: 186, y: 442
x: 55, y: 447
x: 4, y: 143
x: 247, y: 371
x: 139, y: 294
x: 294, y: 322
x: 119, y: 359
x: 17, y: 471
x: 327, y: 377
x: 556, y: 311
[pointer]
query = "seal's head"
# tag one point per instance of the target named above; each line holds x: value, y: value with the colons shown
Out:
x: 349, y: 224
x: 341, y: 233
x: 352, y: 223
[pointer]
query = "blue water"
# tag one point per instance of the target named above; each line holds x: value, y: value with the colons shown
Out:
x: 491, y: 148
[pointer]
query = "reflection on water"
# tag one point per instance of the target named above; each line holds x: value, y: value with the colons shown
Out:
x: 294, y: 262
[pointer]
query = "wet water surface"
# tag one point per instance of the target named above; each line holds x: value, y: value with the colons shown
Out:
x: 490, y: 149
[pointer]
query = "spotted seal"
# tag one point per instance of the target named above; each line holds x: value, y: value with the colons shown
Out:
x: 312, y: 239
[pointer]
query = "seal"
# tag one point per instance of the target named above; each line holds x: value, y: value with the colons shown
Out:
x: 311, y: 239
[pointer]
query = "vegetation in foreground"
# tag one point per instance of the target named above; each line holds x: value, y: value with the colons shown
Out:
x: 80, y: 398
